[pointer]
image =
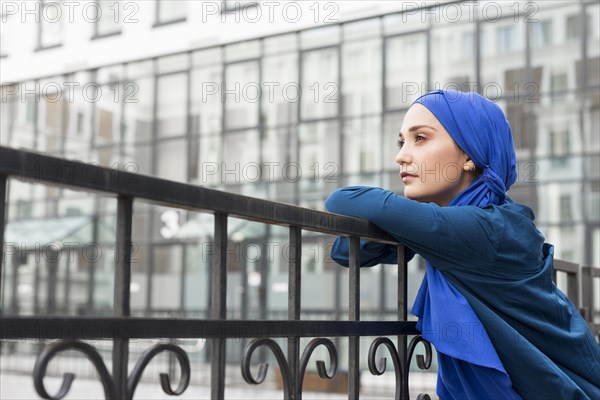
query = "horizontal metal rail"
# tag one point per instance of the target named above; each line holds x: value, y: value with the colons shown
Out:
x: 35, y: 167
x: 152, y: 328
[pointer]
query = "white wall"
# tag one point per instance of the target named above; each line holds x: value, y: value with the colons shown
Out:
x: 204, y: 26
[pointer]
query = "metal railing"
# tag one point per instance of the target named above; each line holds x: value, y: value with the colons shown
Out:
x: 121, y: 328
x: 580, y: 290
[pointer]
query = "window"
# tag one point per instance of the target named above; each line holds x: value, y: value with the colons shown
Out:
x: 559, y: 143
x: 7, y: 113
x: 592, y: 75
x: 558, y: 86
x: 523, y: 125
x: 171, y: 105
x: 362, y: 77
x: 541, y: 34
x: 50, y: 25
x: 574, y: 26
x: 24, y: 209
x: 170, y: 11
x: 594, y: 202
x: 406, y: 69
x: 319, y: 84
x: 80, y: 121
x: 594, y: 138
x: 559, y: 147
x: 363, y: 151
x: 506, y: 39
x: 242, y: 95
x: 467, y: 45
x: 30, y: 110
x: 108, y: 22
x: 462, y: 83
x: 565, y: 210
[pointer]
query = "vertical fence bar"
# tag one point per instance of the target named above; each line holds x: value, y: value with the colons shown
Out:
x: 264, y: 281
x: 219, y: 306
x: 572, y: 272
x: 382, y: 294
x: 51, y: 283
x: 573, y: 287
x: 402, y: 314
x: 587, y: 285
x: 3, y: 213
x: 354, y: 315
x: 36, y: 289
x: 91, y: 264
x: 14, y: 281
x: 123, y: 247
x: 294, y: 295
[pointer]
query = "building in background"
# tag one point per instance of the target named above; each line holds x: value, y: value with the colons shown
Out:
x: 278, y: 100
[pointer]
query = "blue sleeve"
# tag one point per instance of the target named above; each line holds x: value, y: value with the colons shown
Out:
x: 445, y: 236
x: 371, y: 253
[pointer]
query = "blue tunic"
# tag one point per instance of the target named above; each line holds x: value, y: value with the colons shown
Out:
x: 509, y: 331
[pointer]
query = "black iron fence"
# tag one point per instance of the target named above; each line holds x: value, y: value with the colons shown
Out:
x: 120, y: 383
x: 121, y: 328
x: 580, y: 290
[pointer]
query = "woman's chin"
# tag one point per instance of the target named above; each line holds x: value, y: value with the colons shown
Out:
x: 420, y: 198
x: 411, y: 195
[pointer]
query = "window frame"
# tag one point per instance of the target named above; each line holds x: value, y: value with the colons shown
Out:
x: 157, y: 20
x: 40, y: 46
x: 118, y: 31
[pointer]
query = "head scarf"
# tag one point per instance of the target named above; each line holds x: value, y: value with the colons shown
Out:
x: 481, y: 130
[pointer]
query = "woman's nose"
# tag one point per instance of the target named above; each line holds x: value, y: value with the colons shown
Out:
x: 403, y: 156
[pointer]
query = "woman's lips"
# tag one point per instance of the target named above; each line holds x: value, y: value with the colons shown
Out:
x: 406, y: 177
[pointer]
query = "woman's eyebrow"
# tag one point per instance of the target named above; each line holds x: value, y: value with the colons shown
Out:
x: 417, y: 127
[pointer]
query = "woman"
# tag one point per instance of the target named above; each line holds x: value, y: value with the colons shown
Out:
x: 500, y: 326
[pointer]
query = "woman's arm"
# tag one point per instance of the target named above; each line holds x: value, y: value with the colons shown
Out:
x: 371, y: 253
x: 442, y: 235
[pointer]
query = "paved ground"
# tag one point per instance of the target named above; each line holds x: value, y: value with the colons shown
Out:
x: 15, y: 387
x: 20, y: 387
x: 16, y: 382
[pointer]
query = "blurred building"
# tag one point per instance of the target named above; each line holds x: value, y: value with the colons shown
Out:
x: 278, y: 100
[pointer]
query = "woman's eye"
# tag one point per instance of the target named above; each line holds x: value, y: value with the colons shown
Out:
x: 417, y: 138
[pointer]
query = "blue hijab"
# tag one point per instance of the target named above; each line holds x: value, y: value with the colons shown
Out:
x: 469, y: 366
x: 481, y: 130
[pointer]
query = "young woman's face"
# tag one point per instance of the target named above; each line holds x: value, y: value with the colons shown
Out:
x: 432, y: 166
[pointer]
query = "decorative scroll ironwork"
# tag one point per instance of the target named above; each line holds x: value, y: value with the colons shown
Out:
x: 321, y: 369
x: 165, y: 381
x: 263, y: 367
x: 284, y: 366
x: 110, y: 392
x: 375, y: 370
x: 422, y: 362
x: 400, y: 371
x: 50, y: 351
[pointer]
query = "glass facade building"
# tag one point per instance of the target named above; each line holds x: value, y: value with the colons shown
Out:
x: 289, y: 117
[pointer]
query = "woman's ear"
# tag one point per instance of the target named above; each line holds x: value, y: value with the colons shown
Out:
x: 469, y: 165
